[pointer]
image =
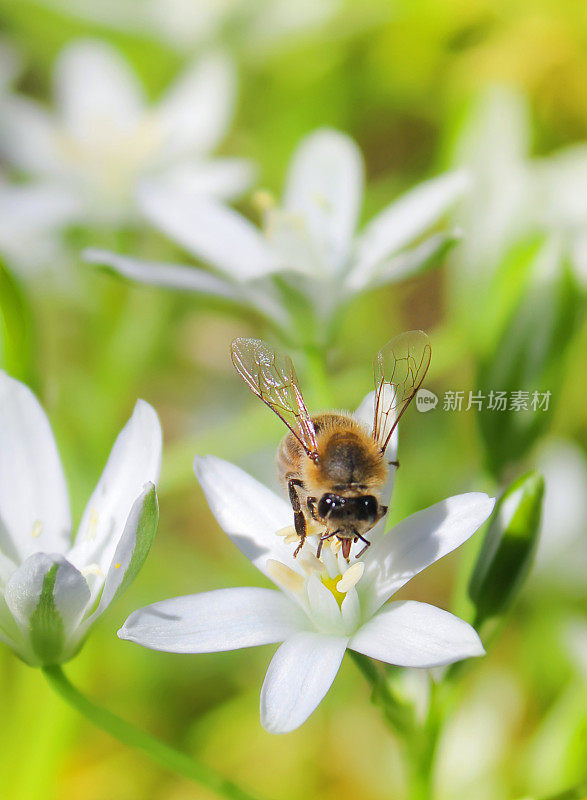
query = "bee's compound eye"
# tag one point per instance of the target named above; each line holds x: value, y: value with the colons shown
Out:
x: 329, y: 503
x: 368, y: 507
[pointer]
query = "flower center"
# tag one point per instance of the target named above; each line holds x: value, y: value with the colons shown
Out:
x: 332, y: 583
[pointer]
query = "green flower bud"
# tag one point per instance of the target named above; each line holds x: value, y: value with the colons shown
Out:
x: 528, y: 361
x: 508, y: 548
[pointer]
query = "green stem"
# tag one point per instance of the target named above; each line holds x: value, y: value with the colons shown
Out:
x: 397, y: 714
x: 164, y: 755
x: 318, y: 384
x: 419, y: 740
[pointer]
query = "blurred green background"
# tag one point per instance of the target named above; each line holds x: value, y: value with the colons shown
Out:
x: 404, y: 78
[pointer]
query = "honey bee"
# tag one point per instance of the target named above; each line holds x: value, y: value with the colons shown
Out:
x: 331, y: 465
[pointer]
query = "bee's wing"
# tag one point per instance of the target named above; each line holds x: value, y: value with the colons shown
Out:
x: 400, y: 367
x: 272, y: 378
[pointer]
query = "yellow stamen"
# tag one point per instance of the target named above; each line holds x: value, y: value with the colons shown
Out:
x: 263, y: 200
x: 284, y: 576
x: 285, y: 531
x: 117, y: 566
x: 332, y: 584
x: 92, y: 569
x: 37, y: 529
x: 351, y: 577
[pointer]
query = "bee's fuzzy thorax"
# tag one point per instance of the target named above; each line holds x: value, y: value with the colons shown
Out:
x: 350, y: 460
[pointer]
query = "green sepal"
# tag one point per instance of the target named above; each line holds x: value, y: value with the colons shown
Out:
x: 147, y: 527
x: 508, y: 548
x: 47, y: 632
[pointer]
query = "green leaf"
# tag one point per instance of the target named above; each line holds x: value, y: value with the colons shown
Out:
x: 508, y: 548
x: 530, y: 358
x: 46, y: 626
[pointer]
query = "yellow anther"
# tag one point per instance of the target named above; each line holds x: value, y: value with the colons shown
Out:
x: 117, y: 566
x: 332, y: 583
x: 286, y: 531
x: 284, y: 576
x: 37, y: 529
x: 310, y: 563
x: 351, y: 577
x: 92, y: 569
x: 263, y: 200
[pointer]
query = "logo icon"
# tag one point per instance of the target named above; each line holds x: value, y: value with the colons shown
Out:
x: 426, y: 400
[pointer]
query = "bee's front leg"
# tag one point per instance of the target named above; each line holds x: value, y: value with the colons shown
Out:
x: 311, y: 503
x: 299, y: 518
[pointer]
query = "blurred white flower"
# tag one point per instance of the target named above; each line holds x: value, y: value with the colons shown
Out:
x: 311, y: 240
x: 322, y: 607
x: 477, y: 738
x: 562, y: 551
x: 30, y: 217
x: 103, y: 139
x: 187, y: 24
x: 513, y: 195
x: 51, y: 591
x: 30, y: 214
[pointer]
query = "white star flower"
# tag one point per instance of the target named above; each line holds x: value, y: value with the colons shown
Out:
x: 103, y: 139
x: 52, y: 591
x: 311, y: 239
x: 513, y: 195
x: 258, y: 25
x: 30, y: 214
x: 321, y: 607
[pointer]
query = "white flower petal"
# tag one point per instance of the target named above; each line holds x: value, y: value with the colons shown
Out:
x: 10, y: 633
x: 223, y: 178
x: 325, y: 187
x: 171, y: 276
x: 134, y: 461
x: 351, y: 611
x: 34, y: 507
x: 212, y: 232
x: 7, y: 565
x: 48, y: 597
x: 223, y: 619
x: 96, y: 91
x: 189, y: 279
x: 196, y: 111
x: 323, y: 607
x: 293, y: 244
x: 131, y: 551
x: 299, y: 675
x: 403, y: 221
x: 31, y: 208
x: 406, y: 264
x: 411, y: 634
x: 365, y: 414
x: 417, y: 542
x: 28, y: 138
x: 248, y: 512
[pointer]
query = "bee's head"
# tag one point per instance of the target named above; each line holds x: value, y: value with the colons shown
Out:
x: 346, y: 510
